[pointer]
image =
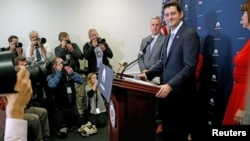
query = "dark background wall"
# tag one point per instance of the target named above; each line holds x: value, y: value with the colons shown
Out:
x: 222, y: 35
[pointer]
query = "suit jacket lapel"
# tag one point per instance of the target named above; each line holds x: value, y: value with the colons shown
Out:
x: 175, y: 40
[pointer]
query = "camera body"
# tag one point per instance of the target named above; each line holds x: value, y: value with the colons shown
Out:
x: 65, y: 63
x: 100, y: 40
x: 38, y: 71
x: 42, y: 40
x: 18, y: 45
x: 68, y: 41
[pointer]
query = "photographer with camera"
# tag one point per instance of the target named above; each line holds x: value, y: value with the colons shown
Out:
x: 38, y: 50
x: 96, y: 51
x: 61, y: 81
x: 37, y: 117
x: 69, y: 51
x: 14, y: 46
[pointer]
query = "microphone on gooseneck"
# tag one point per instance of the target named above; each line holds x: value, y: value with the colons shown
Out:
x: 142, y: 52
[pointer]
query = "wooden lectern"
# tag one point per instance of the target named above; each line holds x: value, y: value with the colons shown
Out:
x: 132, y: 110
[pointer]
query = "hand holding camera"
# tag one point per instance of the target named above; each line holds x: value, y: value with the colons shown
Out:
x: 102, y: 46
x: 16, y: 47
x: 68, y: 69
x: 38, y: 42
x: 94, y: 43
x: 69, y: 47
x: 98, y: 41
x: 64, y: 43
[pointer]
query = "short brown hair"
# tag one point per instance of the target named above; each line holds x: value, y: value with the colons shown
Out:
x: 19, y: 58
x: 12, y: 37
x: 173, y: 3
x: 62, y: 35
x: 246, y: 7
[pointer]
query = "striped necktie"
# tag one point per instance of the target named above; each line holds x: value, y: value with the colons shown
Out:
x: 38, y: 55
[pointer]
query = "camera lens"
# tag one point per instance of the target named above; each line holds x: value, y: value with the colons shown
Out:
x: 100, y: 40
x: 19, y: 44
x: 68, y: 41
x: 42, y: 40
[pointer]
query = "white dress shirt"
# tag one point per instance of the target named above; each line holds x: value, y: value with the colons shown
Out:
x: 33, y: 58
x: 15, y: 130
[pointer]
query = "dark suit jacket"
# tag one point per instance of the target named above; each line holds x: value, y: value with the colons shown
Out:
x: 75, y: 55
x: 179, y: 69
x: 179, y: 66
x: 150, y: 58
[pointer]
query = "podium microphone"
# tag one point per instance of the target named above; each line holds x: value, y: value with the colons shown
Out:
x: 142, y: 52
x: 122, y: 64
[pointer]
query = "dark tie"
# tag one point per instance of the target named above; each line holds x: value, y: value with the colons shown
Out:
x: 38, y: 55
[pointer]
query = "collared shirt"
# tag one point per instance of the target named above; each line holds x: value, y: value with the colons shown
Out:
x: 153, y: 42
x: 15, y: 130
x: 33, y: 58
x: 53, y: 80
x: 177, y: 28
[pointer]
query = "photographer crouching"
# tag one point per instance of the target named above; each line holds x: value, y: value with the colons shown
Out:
x: 62, y: 82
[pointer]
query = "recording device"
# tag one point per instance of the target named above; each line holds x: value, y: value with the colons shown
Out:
x: 100, y: 40
x: 38, y: 71
x: 141, y: 53
x: 68, y: 41
x: 65, y: 63
x: 19, y: 44
x: 42, y: 40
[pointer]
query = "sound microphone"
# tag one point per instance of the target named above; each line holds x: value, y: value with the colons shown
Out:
x: 142, y: 52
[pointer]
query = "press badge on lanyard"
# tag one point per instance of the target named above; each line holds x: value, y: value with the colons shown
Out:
x: 69, y: 90
x: 97, y: 110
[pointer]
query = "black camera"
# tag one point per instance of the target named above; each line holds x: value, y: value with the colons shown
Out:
x: 68, y: 41
x: 38, y: 71
x: 65, y: 63
x: 42, y: 40
x: 100, y: 40
x: 18, y: 45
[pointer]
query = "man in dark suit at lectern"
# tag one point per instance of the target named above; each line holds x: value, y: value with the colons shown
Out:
x: 178, y: 63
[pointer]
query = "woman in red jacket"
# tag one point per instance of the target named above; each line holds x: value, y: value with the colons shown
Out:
x: 237, y: 101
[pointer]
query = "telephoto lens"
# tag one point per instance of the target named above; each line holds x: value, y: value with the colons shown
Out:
x: 42, y: 40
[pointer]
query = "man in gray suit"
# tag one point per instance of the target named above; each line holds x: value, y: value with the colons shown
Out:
x: 151, y: 46
x: 150, y: 52
x: 178, y: 65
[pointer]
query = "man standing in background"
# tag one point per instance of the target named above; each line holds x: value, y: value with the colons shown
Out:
x: 150, y: 52
x: 14, y: 46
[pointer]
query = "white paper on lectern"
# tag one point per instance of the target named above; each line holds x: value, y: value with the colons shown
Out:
x: 140, y: 81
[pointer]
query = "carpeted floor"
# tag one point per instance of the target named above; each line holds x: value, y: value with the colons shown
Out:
x: 101, y: 135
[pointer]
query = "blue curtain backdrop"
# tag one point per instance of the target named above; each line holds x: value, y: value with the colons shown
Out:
x: 218, y: 24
